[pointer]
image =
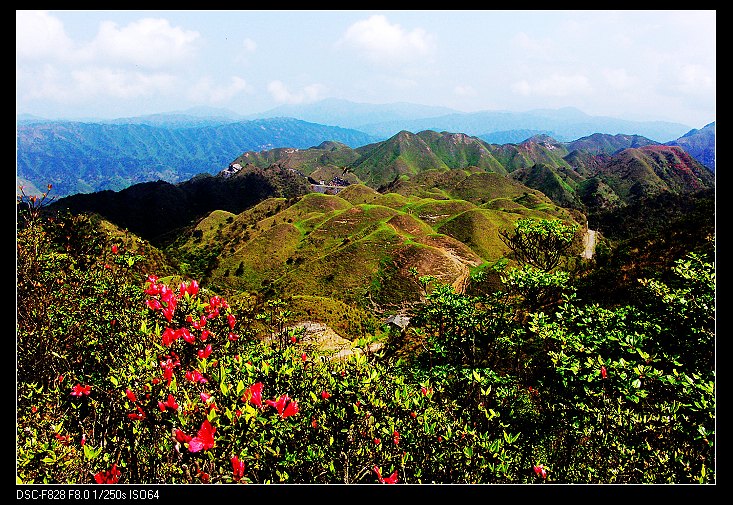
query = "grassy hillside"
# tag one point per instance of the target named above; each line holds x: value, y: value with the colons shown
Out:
x: 359, y: 246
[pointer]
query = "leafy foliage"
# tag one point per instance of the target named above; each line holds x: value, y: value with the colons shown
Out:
x: 125, y: 376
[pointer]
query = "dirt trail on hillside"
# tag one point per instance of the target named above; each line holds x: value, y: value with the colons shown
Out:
x: 329, y: 343
x: 589, y: 244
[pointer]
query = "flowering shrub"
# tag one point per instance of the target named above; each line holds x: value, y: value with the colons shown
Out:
x: 130, y: 377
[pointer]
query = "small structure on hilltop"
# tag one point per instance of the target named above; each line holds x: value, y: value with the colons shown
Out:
x: 398, y: 322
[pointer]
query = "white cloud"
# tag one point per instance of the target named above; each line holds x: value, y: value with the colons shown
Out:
x: 282, y: 94
x: 249, y: 45
x: 383, y: 42
x: 464, y: 90
x: 619, y: 78
x: 150, y: 43
x: 204, y: 90
x: 554, y: 85
x: 40, y: 35
x: 119, y: 83
x: 695, y: 79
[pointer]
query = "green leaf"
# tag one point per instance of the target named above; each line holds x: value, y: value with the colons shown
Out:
x: 90, y: 452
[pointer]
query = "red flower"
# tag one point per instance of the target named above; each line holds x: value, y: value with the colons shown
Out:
x: 233, y: 336
x: 130, y: 395
x: 153, y: 304
x: 413, y: 415
x: 293, y: 339
x: 205, y: 334
x: 187, y: 336
x: 282, y: 410
x: 191, y: 289
x: 181, y: 436
x: 231, y: 320
x: 114, y: 249
x: 237, y: 468
x: 604, y: 374
x: 204, y: 397
x: 195, y: 376
x: 290, y: 410
x: 396, y: 437
x: 314, y: 423
x: 377, y: 441
x: 169, y: 403
x: 392, y: 479
x: 540, y: 471
x: 83, y: 439
x: 205, y: 352
x: 325, y: 395
x: 136, y: 416
x: 304, y: 357
x: 111, y: 476
x: 79, y: 390
x: 254, y: 394
x: 204, y: 439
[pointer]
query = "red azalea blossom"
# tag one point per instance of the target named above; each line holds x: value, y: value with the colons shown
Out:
x: 137, y: 416
x: 205, y: 335
x: 204, y: 477
x: 111, y: 476
x: 186, y: 335
x: 540, y: 471
x: 231, y: 320
x: 83, y: 439
x: 204, y: 439
x: 325, y: 395
x: 293, y: 339
x: 195, y: 376
x: 392, y: 479
x: 237, y: 467
x: 79, y: 390
x: 254, y: 394
x: 604, y: 374
x: 413, y: 415
x: 130, y: 395
x: 314, y: 423
x: 191, y: 289
x: 181, y: 436
x: 114, y: 249
x: 204, y: 397
x: 233, y: 336
x: 396, y: 437
x: 169, y: 403
x: 291, y: 409
x: 304, y: 357
x: 205, y: 352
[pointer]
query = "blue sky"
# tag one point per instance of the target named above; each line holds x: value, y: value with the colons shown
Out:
x: 641, y: 65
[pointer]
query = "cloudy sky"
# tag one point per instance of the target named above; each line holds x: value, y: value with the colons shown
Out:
x: 642, y: 65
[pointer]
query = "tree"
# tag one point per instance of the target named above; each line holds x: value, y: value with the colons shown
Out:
x: 540, y: 243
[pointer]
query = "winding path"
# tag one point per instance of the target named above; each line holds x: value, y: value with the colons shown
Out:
x: 589, y: 244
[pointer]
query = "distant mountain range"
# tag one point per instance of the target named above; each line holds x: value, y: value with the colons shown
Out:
x: 385, y: 120
x: 78, y: 157
x: 88, y: 156
x: 593, y: 173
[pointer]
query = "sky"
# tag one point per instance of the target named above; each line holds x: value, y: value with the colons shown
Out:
x: 654, y: 65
